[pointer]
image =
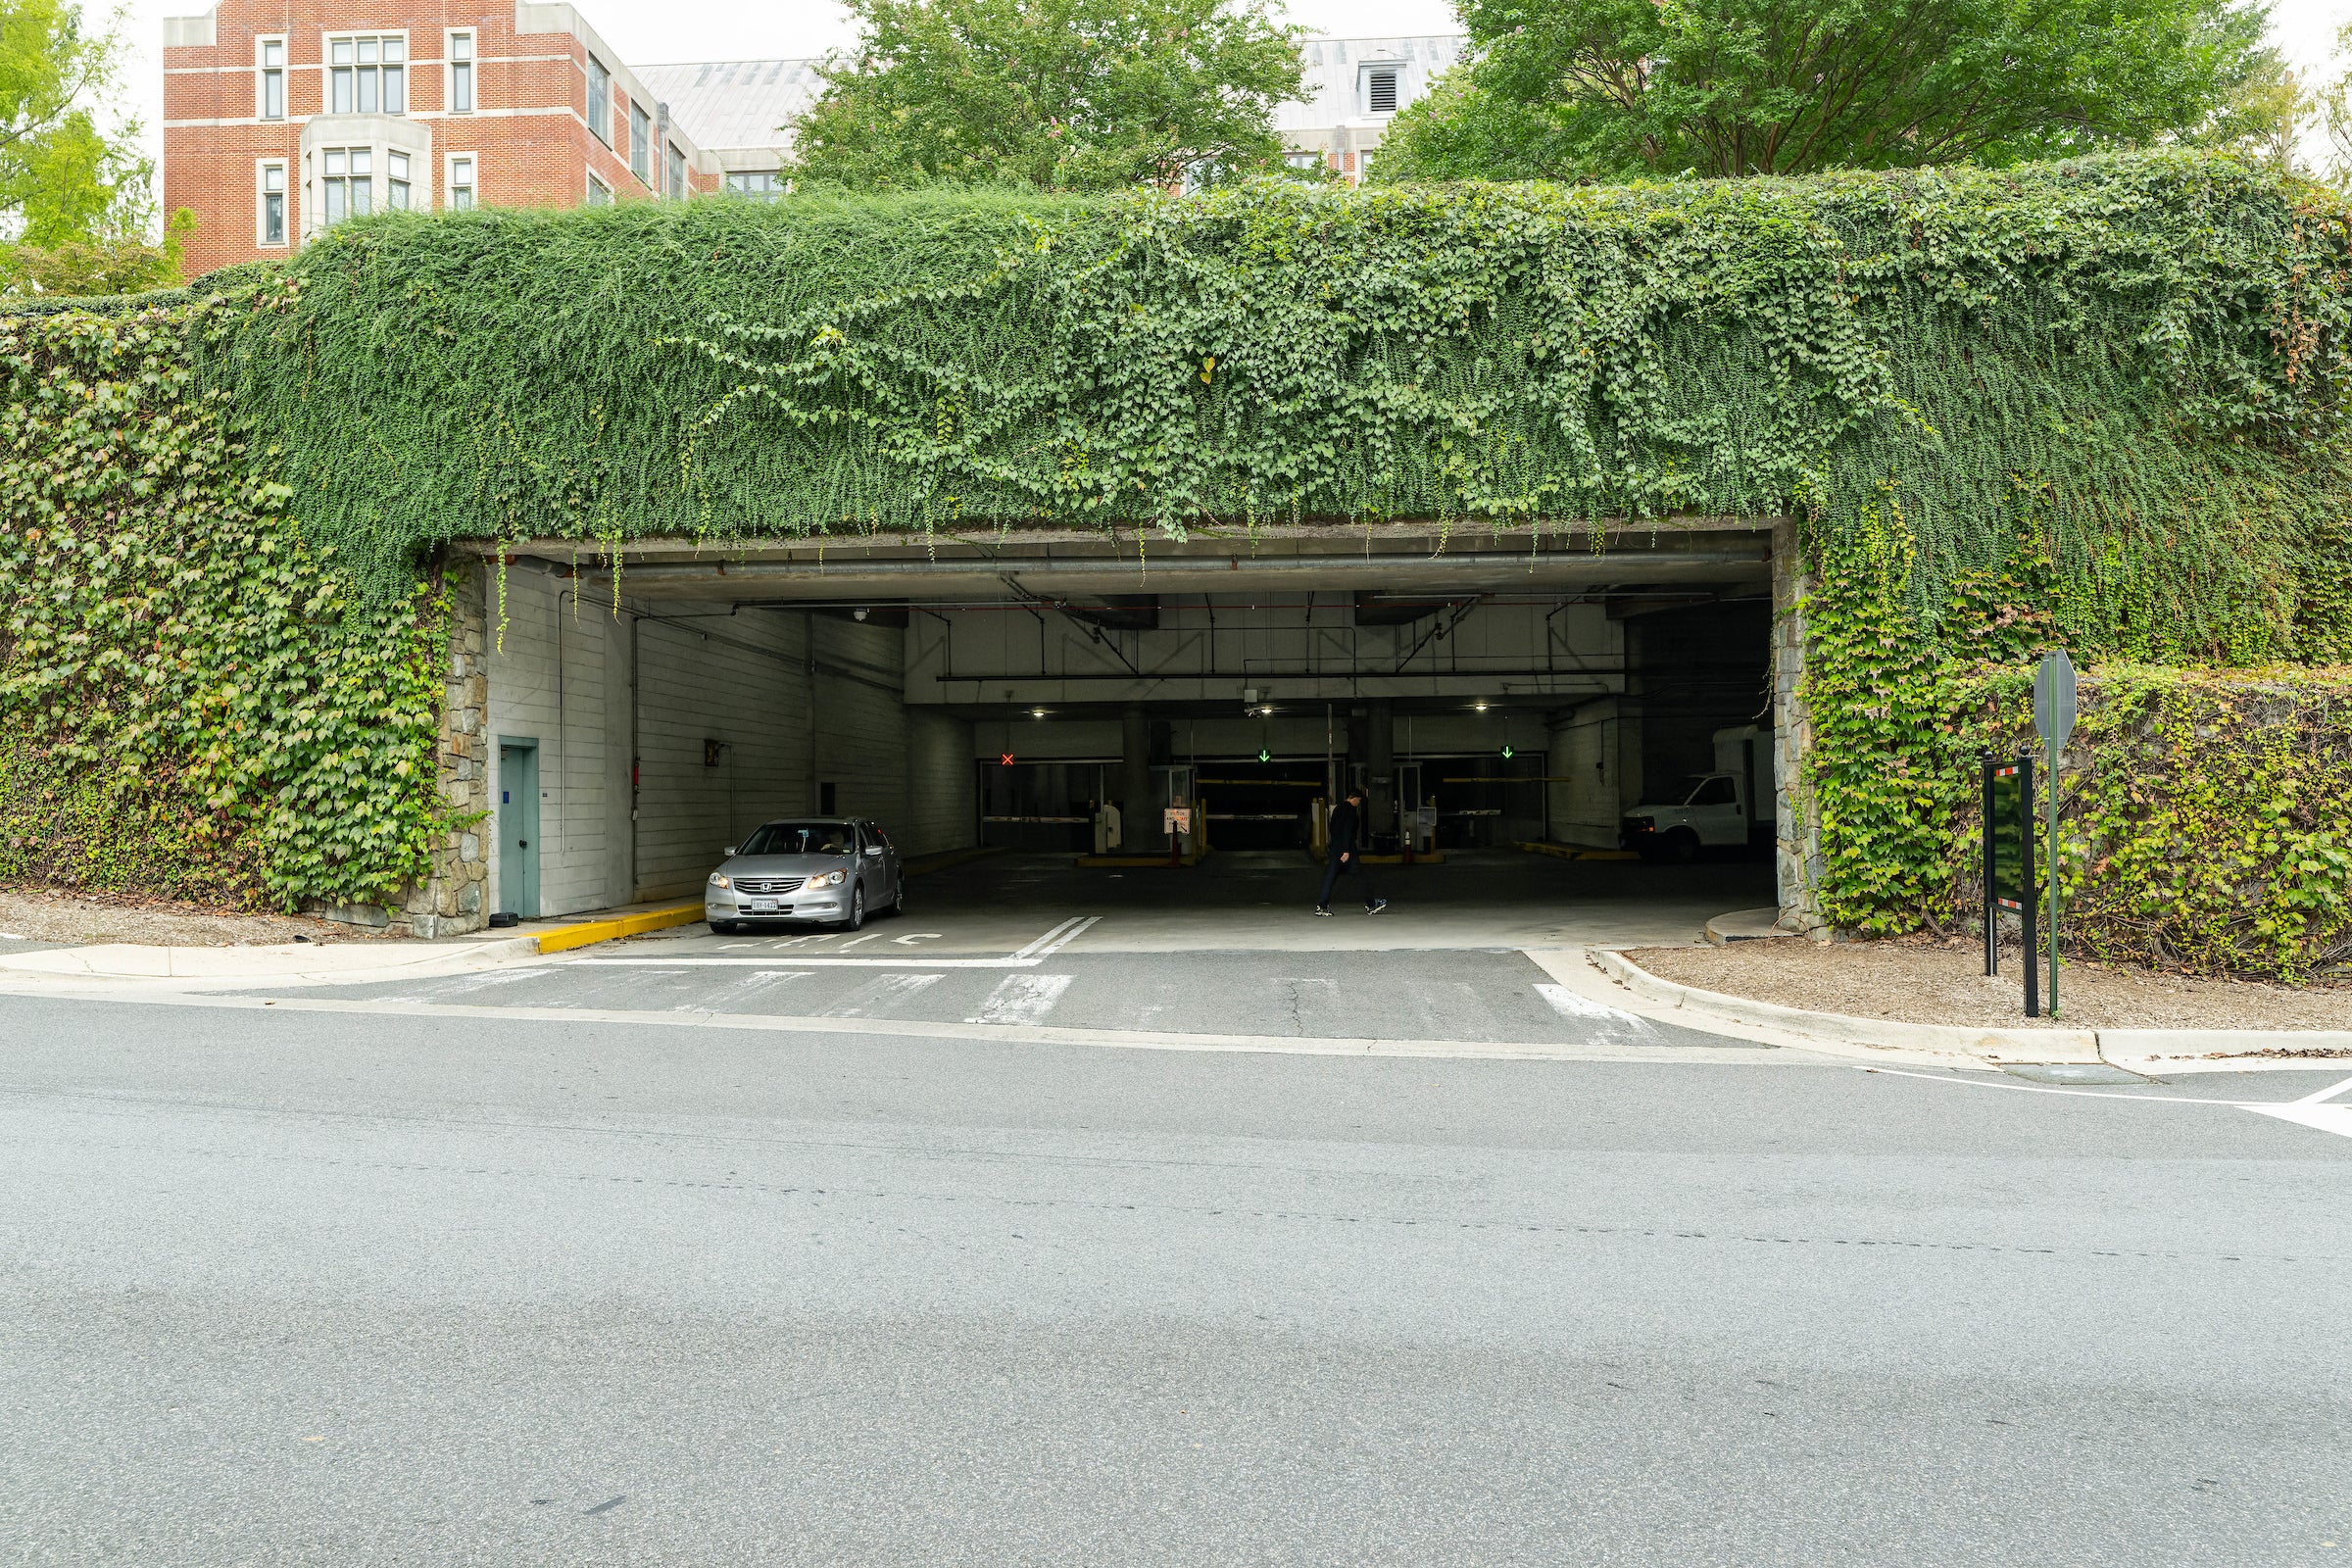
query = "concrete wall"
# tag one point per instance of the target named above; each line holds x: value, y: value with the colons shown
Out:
x: 941, y: 792
x: 739, y: 681
x: 729, y: 717
x: 559, y: 677
x: 1585, y: 758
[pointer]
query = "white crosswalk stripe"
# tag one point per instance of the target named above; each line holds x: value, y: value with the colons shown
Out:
x: 1023, y: 998
x: 881, y: 992
x: 1583, y: 1009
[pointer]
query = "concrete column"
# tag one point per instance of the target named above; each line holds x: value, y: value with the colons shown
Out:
x: 1380, y: 766
x: 1139, y: 813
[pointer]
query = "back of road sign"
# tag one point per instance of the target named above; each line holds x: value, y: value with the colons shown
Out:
x: 2054, y: 699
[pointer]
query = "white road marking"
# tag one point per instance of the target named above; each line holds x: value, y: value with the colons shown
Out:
x: 2327, y: 1094
x: 766, y: 980
x: 2304, y: 1112
x: 494, y: 977
x: 135, y: 994
x: 11, y: 936
x: 912, y: 937
x: 1583, y: 1009
x: 2337, y: 1119
x: 871, y: 936
x: 1047, y: 942
x: 1023, y: 998
x: 882, y: 990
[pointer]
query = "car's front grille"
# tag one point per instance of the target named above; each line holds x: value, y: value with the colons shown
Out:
x: 768, y: 884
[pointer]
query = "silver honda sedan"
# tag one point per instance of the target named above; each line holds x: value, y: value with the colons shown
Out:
x: 830, y: 869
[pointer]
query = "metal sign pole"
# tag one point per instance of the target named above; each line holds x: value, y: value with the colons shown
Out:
x: 2025, y: 880
x: 2053, y: 876
x: 2054, y: 721
x: 1993, y: 898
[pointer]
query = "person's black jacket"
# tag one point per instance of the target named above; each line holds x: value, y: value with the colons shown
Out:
x: 1347, y: 829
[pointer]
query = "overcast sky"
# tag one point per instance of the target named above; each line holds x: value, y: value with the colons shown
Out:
x: 650, y: 32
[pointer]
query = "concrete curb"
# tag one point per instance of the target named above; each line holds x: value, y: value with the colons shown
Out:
x: 2122, y: 1048
x: 1884, y: 1034
x: 279, y: 963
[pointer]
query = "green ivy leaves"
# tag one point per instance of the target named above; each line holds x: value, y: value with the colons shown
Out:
x: 192, y: 697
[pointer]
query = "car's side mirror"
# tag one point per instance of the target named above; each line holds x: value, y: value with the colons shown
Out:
x: 733, y: 851
x: 873, y: 849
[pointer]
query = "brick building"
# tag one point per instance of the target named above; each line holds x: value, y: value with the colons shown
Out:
x: 282, y: 115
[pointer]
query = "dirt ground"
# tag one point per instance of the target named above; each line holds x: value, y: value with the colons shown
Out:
x: 1924, y: 980
x: 37, y: 915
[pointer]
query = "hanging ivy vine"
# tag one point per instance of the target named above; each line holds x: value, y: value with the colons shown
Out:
x: 2161, y: 339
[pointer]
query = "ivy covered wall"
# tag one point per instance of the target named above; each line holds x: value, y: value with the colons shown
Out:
x: 2097, y: 403
x: 2146, y: 357
x: 194, y: 698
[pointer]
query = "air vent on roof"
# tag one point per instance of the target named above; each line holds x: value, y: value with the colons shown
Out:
x: 1380, y: 92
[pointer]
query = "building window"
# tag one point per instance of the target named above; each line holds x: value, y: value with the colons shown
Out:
x: 345, y: 189
x: 396, y: 181
x: 460, y: 182
x: 273, y: 78
x: 599, y: 101
x: 366, y: 75
x: 461, y: 73
x: 641, y: 143
x: 599, y: 194
x: 677, y: 170
x: 760, y: 184
x: 1380, y: 90
x: 274, y: 203
x: 1302, y: 161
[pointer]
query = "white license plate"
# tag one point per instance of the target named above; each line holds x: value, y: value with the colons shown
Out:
x: 765, y: 906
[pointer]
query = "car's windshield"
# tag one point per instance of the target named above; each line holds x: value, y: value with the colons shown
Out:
x: 803, y: 838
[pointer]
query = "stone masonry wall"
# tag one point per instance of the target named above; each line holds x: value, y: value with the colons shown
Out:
x: 454, y: 898
x: 1796, y: 851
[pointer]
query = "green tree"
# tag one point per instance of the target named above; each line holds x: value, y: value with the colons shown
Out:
x: 1611, y: 89
x: 1065, y: 94
x: 63, y: 179
x: 115, y: 265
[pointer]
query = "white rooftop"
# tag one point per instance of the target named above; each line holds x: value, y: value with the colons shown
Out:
x: 731, y: 104
x: 735, y: 105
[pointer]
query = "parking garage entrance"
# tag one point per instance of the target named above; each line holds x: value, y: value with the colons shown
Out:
x: 1558, y: 727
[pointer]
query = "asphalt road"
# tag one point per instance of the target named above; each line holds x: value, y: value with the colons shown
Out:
x: 1494, y: 998
x: 383, y: 1287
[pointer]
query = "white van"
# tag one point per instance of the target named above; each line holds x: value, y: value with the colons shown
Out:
x: 1729, y: 808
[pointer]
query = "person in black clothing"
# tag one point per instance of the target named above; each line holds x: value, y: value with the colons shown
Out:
x: 1347, y: 854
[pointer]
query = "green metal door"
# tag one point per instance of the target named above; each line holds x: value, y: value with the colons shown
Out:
x: 518, y: 826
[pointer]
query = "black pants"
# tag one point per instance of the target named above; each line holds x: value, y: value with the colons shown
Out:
x: 1351, y: 864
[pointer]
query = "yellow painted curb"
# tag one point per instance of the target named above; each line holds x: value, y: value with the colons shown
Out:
x: 588, y: 932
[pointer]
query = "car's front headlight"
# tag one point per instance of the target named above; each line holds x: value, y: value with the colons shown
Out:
x: 829, y: 879
x: 718, y: 881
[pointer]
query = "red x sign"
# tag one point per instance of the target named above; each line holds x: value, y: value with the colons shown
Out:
x: 1004, y: 758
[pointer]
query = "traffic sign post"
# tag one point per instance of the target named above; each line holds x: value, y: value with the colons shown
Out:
x: 2054, y: 722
